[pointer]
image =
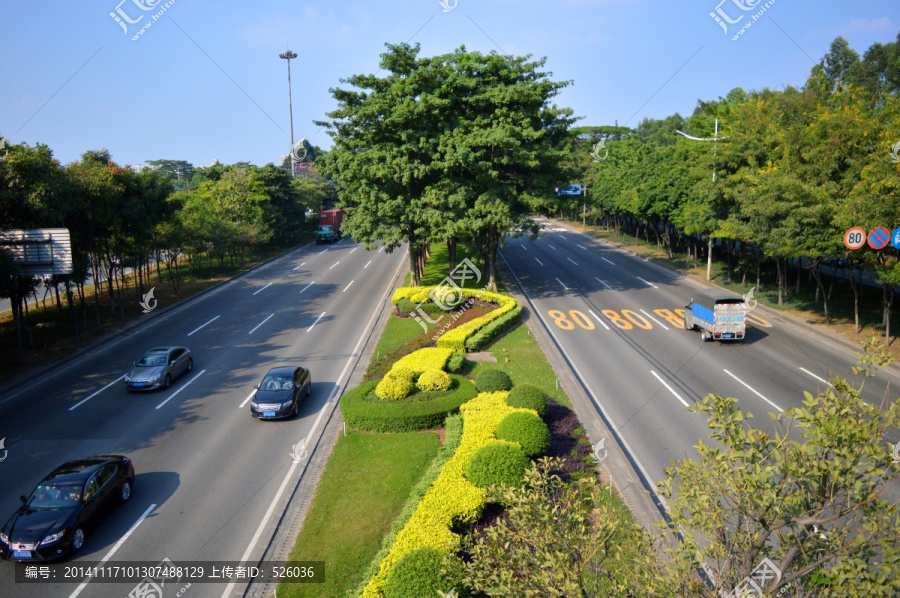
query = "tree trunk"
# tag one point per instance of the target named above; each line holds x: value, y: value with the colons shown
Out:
x: 413, y: 260
x: 799, y: 272
x: 709, y: 259
x: 71, y: 309
x: 855, y: 299
x: 820, y: 288
x: 493, y: 242
x: 779, y: 279
x: 16, y: 303
x: 888, y: 305
x: 451, y: 253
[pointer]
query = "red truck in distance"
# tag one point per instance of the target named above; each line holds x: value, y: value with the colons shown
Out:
x: 330, y: 226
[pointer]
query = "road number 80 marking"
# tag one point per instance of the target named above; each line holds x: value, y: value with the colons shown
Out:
x: 560, y: 319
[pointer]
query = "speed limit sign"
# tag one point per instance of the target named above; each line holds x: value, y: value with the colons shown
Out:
x: 855, y: 238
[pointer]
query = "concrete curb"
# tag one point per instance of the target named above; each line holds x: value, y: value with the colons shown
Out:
x: 774, y: 314
x: 42, y: 371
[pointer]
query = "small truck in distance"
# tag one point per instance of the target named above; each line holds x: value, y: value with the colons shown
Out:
x: 718, y: 314
x: 329, y: 226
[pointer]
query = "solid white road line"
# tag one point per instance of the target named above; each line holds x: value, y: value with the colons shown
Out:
x: 562, y: 283
x: 348, y: 286
x: 201, y: 327
x: 250, y: 396
x: 648, y: 282
x: 316, y: 322
x: 596, y: 317
x: 186, y: 384
x: 822, y: 380
x: 312, y: 431
x: 754, y: 391
x: 571, y: 260
x: 671, y: 390
x: 654, y: 319
x: 262, y: 289
x: 336, y: 263
x: 113, y: 550
x: 606, y: 260
x: 539, y: 261
x: 603, y: 283
x: 367, y: 265
x: 306, y: 287
x: 260, y: 324
x: 300, y: 266
x: 82, y: 402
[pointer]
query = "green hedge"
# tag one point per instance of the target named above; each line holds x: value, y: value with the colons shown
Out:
x: 493, y: 381
x: 418, y: 574
x: 362, y: 409
x: 456, y: 362
x: 526, y: 429
x: 498, y: 462
x: 492, y: 330
x: 452, y: 439
x: 429, y: 307
x: 526, y: 396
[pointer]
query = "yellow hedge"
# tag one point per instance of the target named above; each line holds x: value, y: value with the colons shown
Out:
x: 432, y: 380
x: 428, y: 358
x: 452, y: 498
x: 397, y: 384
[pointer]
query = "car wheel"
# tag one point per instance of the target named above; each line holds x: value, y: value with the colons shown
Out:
x: 296, y: 409
x: 77, y: 539
x: 125, y: 493
x: 309, y: 387
x: 703, y: 336
x: 168, y: 381
x: 190, y: 364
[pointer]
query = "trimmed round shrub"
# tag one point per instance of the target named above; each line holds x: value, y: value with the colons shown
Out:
x: 526, y: 396
x: 498, y: 462
x: 364, y: 410
x: 492, y: 381
x: 416, y: 575
x: 527, y: 429
x: 396, y: 385
x: 434, y: 380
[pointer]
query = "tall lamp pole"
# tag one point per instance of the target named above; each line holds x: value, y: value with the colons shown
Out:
x: 715, y: 139
x: 288, y: 55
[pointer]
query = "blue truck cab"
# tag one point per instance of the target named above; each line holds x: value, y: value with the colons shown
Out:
x: 717, y: 314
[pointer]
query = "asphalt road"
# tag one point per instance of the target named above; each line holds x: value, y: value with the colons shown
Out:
x: 616, y: 318
x: 211, y: 482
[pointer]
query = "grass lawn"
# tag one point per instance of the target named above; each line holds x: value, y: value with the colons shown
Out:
x: 519, y: 355
x: 365, y: 483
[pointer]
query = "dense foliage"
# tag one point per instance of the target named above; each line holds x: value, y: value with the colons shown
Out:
x: 526, y: 396
x: 492, y: 381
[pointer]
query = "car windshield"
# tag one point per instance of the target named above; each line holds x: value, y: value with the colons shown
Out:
x: 54, y: 496
x: 151, y: 360
x: 277, y: 383
x: 325, y: 227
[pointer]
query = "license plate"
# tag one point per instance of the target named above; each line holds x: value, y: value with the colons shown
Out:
x: 137, y: 384
x: 21, y: 554
x: 726, y: 336
x: 268, y: 414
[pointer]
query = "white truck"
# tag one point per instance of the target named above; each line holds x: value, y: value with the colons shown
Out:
x: 718, y: 314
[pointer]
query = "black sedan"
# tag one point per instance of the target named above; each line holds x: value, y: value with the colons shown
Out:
x: 158, y: 367
x: 65, y: 506
x: 280, y: 393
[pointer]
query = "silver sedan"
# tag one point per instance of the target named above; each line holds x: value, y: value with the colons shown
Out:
x: 158, y: 367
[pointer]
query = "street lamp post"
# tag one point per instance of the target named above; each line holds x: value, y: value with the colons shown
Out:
x: 288, y: 55
x: 715, y: 139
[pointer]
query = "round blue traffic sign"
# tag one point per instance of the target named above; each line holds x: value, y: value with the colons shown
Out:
x: 879, y: 237
x: 895, y: 238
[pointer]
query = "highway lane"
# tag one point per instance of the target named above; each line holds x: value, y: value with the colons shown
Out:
x: 211, y: 470
x: 617, y: 318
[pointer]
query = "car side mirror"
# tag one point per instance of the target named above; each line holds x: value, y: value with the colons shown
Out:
x: 256, y: 387
x: 23, y: 498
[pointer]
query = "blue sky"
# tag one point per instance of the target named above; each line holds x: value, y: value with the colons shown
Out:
x: 205, y: 83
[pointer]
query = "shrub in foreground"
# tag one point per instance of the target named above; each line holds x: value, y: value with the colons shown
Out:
x: 434, y: 380
x: 418, y: 574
